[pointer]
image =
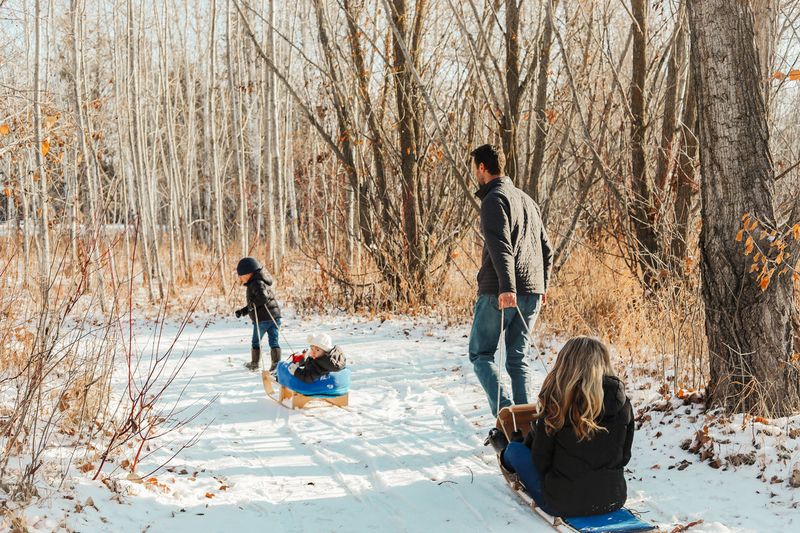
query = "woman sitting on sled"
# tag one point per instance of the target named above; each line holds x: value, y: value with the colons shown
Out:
x: 572, y: 461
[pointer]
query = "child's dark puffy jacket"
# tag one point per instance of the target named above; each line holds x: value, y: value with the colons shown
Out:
x: 261, y: 301
x: 587, y: 477
x: 312, y: 369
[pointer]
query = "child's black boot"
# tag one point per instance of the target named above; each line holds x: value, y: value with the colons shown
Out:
x: 255, y: 357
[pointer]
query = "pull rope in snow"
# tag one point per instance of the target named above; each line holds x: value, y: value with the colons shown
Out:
x: 502, y: 346
x: 531, y: 341
x: 280, y: 330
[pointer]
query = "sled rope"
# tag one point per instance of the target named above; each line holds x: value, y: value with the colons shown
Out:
x: 532, y: 342
x: 280, y: 332
x: 501, y: 356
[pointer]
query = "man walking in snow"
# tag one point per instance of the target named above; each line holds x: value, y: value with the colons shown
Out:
x: 513, y: 277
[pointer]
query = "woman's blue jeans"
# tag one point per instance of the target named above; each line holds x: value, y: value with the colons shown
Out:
x: 518, y: 457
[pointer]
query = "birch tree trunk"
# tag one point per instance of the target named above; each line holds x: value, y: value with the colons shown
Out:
x: 212, y: 125
x: 39, y: 148
x: 236, y: 133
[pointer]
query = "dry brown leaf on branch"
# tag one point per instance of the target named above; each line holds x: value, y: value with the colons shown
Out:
x: 4, y: 129
x: 748, y: 245
x: 45, y: 147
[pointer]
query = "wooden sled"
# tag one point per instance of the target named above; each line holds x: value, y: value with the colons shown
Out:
x: 298, y: 401
x: 519, y: 418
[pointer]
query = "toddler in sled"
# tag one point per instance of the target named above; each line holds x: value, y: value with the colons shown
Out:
x: 572, y: 461
x: 321, y: 358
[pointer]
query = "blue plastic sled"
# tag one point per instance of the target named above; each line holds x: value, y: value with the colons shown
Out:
x: 333, y: 384
x: 620, y: 521
x: 334, y: 388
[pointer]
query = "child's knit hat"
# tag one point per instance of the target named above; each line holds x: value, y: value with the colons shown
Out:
x: 321, y: 340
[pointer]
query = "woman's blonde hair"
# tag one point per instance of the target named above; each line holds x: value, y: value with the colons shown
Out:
x: 574, y: 388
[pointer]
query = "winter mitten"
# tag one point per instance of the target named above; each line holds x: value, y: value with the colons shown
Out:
x: 293, y: 368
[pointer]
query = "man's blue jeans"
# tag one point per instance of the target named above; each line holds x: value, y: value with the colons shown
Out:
x: 518, y: 457
x: 485, y: 336
x: 271, y: 329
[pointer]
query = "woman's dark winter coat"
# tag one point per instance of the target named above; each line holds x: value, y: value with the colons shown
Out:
x: 587, y: 477
x: 312, y: 369
x: 261, y: 300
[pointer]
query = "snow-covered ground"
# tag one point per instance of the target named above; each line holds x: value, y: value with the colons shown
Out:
x: 406, y: 455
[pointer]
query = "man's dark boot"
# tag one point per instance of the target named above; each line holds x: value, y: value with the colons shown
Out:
x: 275, y: 353
x: 255, y: 357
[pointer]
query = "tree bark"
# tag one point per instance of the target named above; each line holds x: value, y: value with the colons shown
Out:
x: 539, y: 112
x: 236, y: 133
x: 749, y: 331
x: 643, y: 211
x: 510, y: 120
x: 409, y: 123
x: 686, y: 185
x: 44, y: 205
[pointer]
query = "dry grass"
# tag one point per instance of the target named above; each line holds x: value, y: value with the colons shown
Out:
x: 659, y: 334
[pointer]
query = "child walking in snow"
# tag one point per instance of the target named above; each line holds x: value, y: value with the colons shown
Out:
x: 321, y: 358
x: 572, y: 462
x: 263, y: 309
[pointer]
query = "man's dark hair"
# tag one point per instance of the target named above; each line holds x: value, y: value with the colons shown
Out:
x: 491, y: 157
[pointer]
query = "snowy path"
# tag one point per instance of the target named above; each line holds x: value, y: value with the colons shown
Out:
x: 402, y: 457
x: 405, y: 456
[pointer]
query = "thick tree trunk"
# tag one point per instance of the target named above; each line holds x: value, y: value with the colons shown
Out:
x: 407, y: 126
x: 749, y: 332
